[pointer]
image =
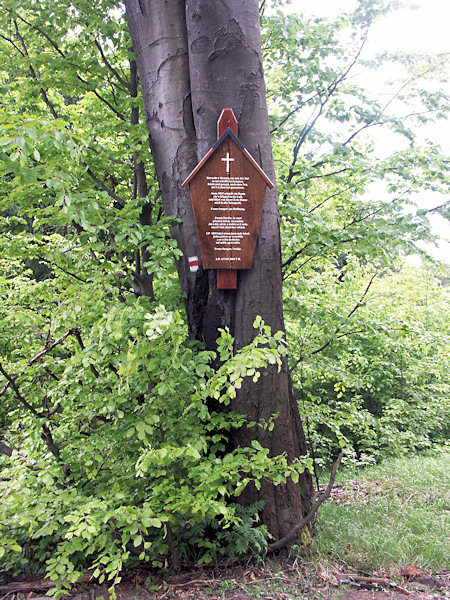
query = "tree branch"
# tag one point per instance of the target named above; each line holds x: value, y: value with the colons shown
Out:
x: 12, y: 378
x: 293, y: 532
x: 113, y: 160
x: 13, y: 44
x: 338, y: 329
x: 34, y: 75
x: 110, y: 67
x: 430, y: 210
x: 44, y: 34
x: 385, y: 122
x: 108, y: 104
x: 103, y: 186
x: 291, y: 259
x: 93, y: 369
x: 81, y: 344
x: 301, y: 138
x: 300, y: 266
x: 60, y: 268
x: 292, y: 112
x: 410, y: 80
x: 322, y: 176
x: 347, y: 189
x: 355, y: 221
x: 54, y: 112
x: 288, y: 261
x: 329, y: 92
x: 5, y: 449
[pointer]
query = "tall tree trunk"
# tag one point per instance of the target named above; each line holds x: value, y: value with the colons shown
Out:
x: 196, y: 58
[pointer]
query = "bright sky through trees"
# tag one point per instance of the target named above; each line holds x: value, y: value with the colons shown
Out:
x: 420, y: 25
x: 417, y: 26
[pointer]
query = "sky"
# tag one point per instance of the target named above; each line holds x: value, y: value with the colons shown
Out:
x: 419, y: 26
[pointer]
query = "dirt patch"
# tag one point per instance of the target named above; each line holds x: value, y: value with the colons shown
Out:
x: 356, y: 493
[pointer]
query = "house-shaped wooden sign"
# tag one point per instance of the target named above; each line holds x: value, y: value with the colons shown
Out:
x: 227, y: 192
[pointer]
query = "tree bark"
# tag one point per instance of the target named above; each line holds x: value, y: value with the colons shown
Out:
x: 196, y: 57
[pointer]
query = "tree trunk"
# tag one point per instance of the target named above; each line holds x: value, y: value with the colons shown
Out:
x: 196, y: 58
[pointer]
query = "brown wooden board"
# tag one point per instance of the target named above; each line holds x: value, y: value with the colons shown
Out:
x: 226, y: 279
x: 227, y: 119
x: 227, y: 194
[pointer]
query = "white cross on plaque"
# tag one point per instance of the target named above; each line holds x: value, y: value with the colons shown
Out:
x: 227, y: 159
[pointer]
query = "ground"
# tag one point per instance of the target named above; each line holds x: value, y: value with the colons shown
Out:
x: 276, y: 580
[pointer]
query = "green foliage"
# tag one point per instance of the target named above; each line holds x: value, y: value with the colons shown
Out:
x: 372, y: 370
x: 75, y: 156
x: 112, y: 452
x: 341, y: 191
x: 368, y: 356
x: 243, y: 537
x: 116, y: 455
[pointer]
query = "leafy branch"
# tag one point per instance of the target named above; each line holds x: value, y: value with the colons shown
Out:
x: 47, y: 436
x: 11, y: 379
x: 340, y: 327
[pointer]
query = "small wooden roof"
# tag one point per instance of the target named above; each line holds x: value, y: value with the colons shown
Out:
x: 228, y: 133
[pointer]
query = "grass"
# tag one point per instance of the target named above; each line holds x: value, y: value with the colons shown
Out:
x: 386, y: 517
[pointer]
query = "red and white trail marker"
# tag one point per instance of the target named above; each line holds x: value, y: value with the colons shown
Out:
x: 193, y: 263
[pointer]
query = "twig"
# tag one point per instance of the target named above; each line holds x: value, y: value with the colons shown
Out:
x: 12, y: 378
x: 43, y: 259
x: 110, y: 67
x: 377, y: 581
x: 9, y: 593
x: 292, y: 533
x: 191, y: 582
x: 438, y: 207
x: 338, y: 329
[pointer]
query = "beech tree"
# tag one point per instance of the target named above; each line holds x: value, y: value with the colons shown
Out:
x: 194, y: 59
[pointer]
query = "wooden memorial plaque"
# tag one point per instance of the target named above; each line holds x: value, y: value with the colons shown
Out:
x: 227, y: 191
